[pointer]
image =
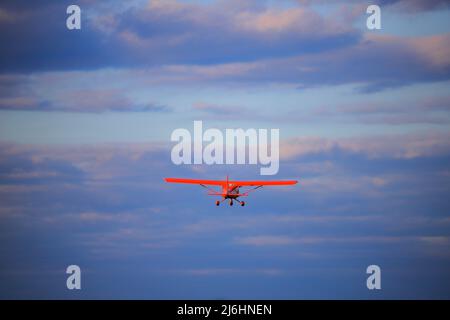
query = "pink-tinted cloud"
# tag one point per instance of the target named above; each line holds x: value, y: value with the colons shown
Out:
x: 154, y: 33
x: 75, y: 100
x: 404, y: 6
x: 376, y: 62
x: 268, y: 240
x: 397, y: 146
x: 432, y: 109
x: 224, y: 112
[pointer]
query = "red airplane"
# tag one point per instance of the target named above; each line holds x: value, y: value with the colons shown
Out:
x: 230, y: 189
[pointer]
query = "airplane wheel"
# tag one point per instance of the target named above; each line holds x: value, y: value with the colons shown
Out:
x: 242, y: 203
x: 217, y: 202
x: 231, y: 202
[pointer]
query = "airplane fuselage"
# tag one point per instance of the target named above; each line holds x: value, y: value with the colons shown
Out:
x: 230, y: 191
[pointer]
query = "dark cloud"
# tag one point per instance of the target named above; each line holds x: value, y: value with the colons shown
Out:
x: 177, y: 41
x: 38, y: 39
x: 163, y: 33
x: 381, y: 62
x: 405, y: 6
x: 415, y: 6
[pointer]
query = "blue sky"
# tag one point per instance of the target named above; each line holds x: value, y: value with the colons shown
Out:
x: 85, y: 124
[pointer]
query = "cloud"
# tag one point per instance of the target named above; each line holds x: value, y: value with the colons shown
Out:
x: 213, y: 108
x: 426, y: 105
x: 213, y: 111
x: 397, y: 146
x: 375, y: 63
x: 229, y: 271
x: 32, y: 36
x: 266, y: 240
x: 414, y: 6
x: 246, y: 32
x: 156, y: 33
x: 430, y: 110
x: 109, y: 204
x: 102, y: 100
x: 72, y: 100
x: 283, y: 240
x: 405, y: 6
x: 177, y: 42
x: 439, y: 240
x: 22, y: 103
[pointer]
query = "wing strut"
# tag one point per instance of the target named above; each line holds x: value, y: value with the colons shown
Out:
x: 208, y: 188
x: 253, y: 189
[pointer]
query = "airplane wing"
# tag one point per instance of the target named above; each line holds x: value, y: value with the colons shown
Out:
x: 264, y: 183
x: 236, y: 183
x: 197, y: 181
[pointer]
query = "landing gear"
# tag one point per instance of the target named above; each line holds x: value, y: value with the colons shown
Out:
x: 230, y: 202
